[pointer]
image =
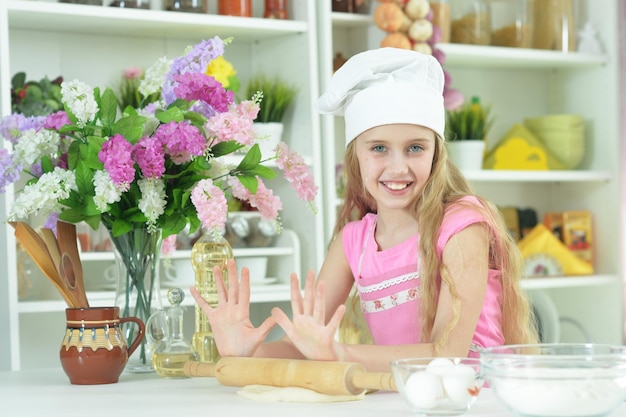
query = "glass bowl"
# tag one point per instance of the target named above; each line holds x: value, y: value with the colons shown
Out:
x: 438, y: 386
x: 557, y: 379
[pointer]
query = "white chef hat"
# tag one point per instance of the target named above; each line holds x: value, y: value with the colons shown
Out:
x: 384, y: 86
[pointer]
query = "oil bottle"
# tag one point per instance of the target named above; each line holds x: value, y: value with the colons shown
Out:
x: 207, y: 252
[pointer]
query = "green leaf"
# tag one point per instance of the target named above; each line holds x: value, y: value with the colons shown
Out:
x: 225, y: 148
x: 120, y: 227
x: 84, y: 180
x: 251, y: 160
x: 196, y: 119
x: 108, y: 108
x: 131, y: 127
x: 71, y: 215
x: 46, y: 164
x: 18, y: 80
x: 251, y: 183
x: 73, y: 154
x: 93, y: 221
x: 262, y: 171
x: 172, y: 114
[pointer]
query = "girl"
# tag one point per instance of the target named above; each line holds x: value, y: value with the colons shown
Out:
x: 436, y: 272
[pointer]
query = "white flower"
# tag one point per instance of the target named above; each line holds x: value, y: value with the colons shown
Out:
x: 106, y: 192
x: 33, y: 145
x: 78, y: 96
x: 155, y: 77
x: 152, y: 202
x: 44, y: 195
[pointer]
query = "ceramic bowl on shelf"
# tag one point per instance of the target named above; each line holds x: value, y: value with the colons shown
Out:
x: 438, y: 386
x: 557, y: 379
x: 562, y: 134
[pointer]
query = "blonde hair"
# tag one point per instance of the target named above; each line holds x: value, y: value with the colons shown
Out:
x: 447, y: 185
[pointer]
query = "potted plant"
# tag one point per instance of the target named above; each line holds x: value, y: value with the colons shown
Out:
x: 466, y: 133
x: 277, y: 96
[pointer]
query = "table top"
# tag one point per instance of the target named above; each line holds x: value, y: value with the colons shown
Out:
x: 47, y: 392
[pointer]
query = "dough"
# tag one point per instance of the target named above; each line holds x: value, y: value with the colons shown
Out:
x: 292, y: 394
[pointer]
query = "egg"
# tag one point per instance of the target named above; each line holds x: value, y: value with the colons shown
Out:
x: 439, y: 365
x: 457, y: 381
x: 423, y: 390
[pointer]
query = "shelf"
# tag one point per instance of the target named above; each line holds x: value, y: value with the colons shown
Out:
x: 488, y: 175
x: 351, y: 20
x: 258, y: 294
x: 568, y: 282
x: 476, y: 56
x: 79, y: 19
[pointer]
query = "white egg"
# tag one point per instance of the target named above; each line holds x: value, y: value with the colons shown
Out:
x: 423, y: 390
x: 457, y: 381
x: 439, y: 366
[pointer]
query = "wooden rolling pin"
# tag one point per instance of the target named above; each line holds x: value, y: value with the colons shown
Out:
x: 333, y: 378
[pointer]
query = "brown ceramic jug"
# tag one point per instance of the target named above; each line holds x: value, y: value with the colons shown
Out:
x: 94, y: 350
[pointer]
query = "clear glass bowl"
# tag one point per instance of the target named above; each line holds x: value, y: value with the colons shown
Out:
x: 557, y: 379
x: 438, y: 386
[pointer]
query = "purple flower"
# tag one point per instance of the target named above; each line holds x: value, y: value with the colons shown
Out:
x: 13, y: 125
x: 203, y: 88
x: 194, y: 61
x: 116, y: 155
x: 182, y: 141
x: 9, y: 173
x: 150, y: 156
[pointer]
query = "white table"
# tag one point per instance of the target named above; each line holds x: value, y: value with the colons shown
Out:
x: 48, y: 393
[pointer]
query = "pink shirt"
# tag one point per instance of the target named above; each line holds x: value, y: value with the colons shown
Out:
x: 388, y: 282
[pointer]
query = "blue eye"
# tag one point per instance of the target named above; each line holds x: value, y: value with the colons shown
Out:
x: 379, y: 148
x: 415, y: 148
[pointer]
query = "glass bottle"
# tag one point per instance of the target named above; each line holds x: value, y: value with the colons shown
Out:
x: 192, y: 6
x: 164, y: 331
x: 206, y: 253
x: 441, y: 18
x: 471, y: 22
x: 276, y: 9
x: 235, y: 7
x: 554, y: 25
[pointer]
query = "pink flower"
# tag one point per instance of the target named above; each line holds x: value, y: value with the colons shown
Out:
x: 117, y: 159
x: 211, y: 205
x: 198, y: 86
x: 150, y: 156
x: 132, y: 73
x: 169, y: 245
x: 296, y: 172
x: 182, y: 141
x: 264, y: 200
x: 235, y: 124
x: 56, y: 120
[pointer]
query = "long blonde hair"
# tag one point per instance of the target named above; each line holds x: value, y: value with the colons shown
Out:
x: 447, y: 185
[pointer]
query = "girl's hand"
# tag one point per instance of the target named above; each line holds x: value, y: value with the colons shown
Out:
x: 308, y: 331
x: 230, y: 319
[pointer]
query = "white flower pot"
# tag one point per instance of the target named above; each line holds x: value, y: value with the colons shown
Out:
x: 467, y: 154
x: 268, y: 136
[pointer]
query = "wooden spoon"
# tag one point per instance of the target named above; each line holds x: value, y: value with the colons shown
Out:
x: 66, y: 236
x: 52, y: 245
x: 68, y: 275
x: 36, y: 248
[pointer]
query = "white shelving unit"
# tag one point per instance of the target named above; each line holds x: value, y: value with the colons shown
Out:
x: 95, y: 44
x: 522, y: 83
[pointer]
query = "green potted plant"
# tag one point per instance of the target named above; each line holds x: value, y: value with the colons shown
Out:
x: 466, y: 133
x: 278, y: 95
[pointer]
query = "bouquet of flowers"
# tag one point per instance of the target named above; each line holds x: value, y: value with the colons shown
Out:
x: 160, y: 166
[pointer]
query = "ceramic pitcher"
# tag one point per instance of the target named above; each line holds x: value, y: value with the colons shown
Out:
x: 94, y: 350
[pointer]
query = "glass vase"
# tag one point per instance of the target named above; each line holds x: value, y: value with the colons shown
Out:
x: 137, y: 255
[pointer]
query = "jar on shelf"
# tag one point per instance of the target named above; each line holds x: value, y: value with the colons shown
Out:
x: 471, y: 22
x: 512, y: 23
x: 441, y: 18
x: 131, y: 4
x: 190, y: 6
x: 235, y: 7
x: 276, y: 9
x: 344, y: 6
x: 554, y: 25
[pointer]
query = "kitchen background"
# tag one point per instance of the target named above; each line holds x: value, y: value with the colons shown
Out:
x: 95, y: 43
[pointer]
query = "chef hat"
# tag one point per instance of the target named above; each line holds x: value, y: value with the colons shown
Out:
x: 384, y: 86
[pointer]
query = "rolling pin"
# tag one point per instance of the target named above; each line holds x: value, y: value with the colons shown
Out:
x: 332, y: 378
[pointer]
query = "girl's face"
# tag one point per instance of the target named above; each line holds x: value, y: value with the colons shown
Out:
x: 395, y: 162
